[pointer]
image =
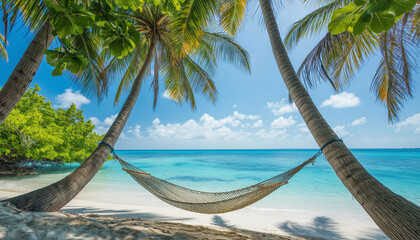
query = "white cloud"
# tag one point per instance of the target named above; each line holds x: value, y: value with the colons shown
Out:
x: 207, y: 128
x: 236, y: 130
x: 282, y: 122
x: 410, y: 124
x: 235, y: 106
x: 135, y: 131
x: 166, y: 95
x: 279, y: 108
x: 257, y: 124
x: 68, y: 97
x: 102, y: 127
x: 303, y: 128
x: 241, y: 116
x: 109, y: 120
x: 340, y: 130
x: 359, y: 121
x: 210, y: 122
x: 94, y: 120
x: 342, y: 100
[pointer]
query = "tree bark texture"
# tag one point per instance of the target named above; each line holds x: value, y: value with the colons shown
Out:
x: 25, y: 70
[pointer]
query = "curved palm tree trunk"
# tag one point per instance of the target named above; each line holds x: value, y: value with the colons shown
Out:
x: 25, y: 70
x: 397, y: 217
x: 57, y: 195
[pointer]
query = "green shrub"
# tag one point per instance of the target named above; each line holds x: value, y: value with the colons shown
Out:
x: 35, y: 131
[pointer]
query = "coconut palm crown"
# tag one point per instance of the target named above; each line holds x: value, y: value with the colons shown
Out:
x: 337, y: 58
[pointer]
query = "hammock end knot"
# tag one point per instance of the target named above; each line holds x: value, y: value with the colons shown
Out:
x: 329, y: 142
x: 110, y: 147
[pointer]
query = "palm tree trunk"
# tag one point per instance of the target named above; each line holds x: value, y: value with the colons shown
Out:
x: 397, y: 217
x: 57, y: 195
x: 24, y: 72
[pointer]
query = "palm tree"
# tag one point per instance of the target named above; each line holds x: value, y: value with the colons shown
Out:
x: 25, y: 70
x: 35, y: 15
x: 182, y: 72
x: 336, y: 58
x: 397, y: 217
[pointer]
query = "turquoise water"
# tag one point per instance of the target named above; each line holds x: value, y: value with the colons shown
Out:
x: 315, y: 187
x: 221, y: 170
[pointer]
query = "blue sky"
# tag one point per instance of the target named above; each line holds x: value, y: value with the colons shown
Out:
x: 251, y: 111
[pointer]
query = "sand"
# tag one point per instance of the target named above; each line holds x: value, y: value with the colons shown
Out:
x: 15, y: 224
x: 99, y: 213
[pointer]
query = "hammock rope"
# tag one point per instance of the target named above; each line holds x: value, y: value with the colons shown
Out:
x: 210, y: 202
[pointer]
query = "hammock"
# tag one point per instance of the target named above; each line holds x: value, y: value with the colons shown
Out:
x: 210, y: 202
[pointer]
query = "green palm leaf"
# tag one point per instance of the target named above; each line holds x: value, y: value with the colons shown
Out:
x: 312, y: 23
x: 227, y: 49
x: 188, y: 23
x: 94, y: 79
x: 232, y: 15
x: 393, y: 79
x: 33, y: 13
x: 3, y: 51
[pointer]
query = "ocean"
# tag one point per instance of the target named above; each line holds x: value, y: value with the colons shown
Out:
x: 223, y: 170
x: 314, y: 191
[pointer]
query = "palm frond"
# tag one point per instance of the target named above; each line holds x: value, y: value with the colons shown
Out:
x: 199, y: 78
x: 93, y: 80
x: 176, y: 81
x: 313, y: 23
x: 393, y: 79
x: 336, y: 58
x: 352, y: 53
x: 415, y: 21
x: 227, y: 49
x: 206, y: 56
x: 232, y: 15
x: 313, y: 68
x: 188, y: 23
x: 34, y: 13
x: 130, y: 66
x: 319, y: 3
x: 3, y: 51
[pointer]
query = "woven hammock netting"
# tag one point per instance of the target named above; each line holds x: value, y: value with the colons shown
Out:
x: 208, y: 202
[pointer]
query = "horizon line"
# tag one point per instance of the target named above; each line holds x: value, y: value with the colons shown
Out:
x: 229, y: 149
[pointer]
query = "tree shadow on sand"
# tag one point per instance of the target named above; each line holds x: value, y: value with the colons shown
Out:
x: 218, y: 221
x: 15, y: 224
x: 325, y: 228
x: 122, y: 214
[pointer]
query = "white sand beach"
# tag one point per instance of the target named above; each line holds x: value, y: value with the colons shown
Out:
x: 103, y: 214
x: 15, y: 224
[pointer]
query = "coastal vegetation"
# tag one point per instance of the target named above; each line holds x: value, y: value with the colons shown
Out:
x: 36, y: 134
x: 173, y: 34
